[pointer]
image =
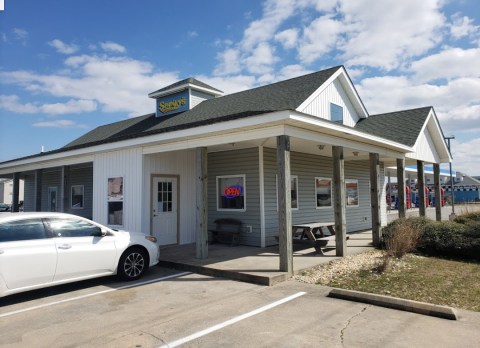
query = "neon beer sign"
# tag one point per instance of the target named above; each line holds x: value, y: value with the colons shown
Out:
x: 233, y: 191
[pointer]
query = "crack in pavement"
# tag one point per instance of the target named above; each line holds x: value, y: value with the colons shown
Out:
x: 342, y: 332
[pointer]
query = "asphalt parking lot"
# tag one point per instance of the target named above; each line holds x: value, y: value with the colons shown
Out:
x: 168, y: 308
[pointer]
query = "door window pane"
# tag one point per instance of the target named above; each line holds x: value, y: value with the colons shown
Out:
x: 164, y: 196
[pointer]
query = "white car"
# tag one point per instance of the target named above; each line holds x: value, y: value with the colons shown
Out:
x: 45, y: 249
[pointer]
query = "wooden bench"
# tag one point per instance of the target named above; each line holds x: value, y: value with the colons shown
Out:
x: 227, y: 227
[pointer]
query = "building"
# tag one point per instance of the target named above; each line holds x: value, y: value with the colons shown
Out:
x: 299, y: 150
x: 6, y: 191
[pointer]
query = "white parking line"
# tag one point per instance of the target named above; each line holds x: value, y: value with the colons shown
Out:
x: 232, y: 321
x: 176, y: 275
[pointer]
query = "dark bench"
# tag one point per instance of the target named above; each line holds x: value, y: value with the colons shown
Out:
x: 228, y: 227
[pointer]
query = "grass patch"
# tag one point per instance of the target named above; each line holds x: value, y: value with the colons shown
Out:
x: 426, y: 279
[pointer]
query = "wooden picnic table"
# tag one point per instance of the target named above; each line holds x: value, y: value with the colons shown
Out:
x: 313, y: 233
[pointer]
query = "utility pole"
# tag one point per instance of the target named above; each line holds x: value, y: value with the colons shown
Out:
x: 452, y: 215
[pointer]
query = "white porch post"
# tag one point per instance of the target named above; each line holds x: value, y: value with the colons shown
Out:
x: 284, y: 205
x: 339, y: 200
x: 201, y: 202
x: 375, y: 198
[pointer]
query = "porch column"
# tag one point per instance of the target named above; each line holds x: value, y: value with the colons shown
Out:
x: 438, y: 195
x: 201, y: 202
x: 401, y: 187
x: 16, y: 192
x: 339, y: 200
x: 38, y: 190
x: 64, y: 189
x: 421, y: 188
x: 375, y: 198
x: 284, y: 205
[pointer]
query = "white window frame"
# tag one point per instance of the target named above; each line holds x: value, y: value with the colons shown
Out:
x: 83, y: 197
x: 244, y: 178
x: 111, y: 198
x: 331, y: 192
x: 358, y: 193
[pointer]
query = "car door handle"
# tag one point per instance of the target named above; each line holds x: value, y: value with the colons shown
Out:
x: 64, y: 246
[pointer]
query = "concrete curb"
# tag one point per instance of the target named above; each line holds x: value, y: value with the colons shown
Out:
x: 395, y: 303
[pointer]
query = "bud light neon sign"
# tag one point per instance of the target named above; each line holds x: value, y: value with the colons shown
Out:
x: 233, y: 191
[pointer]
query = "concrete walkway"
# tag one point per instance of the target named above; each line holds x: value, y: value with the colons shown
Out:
x: 255, y: 265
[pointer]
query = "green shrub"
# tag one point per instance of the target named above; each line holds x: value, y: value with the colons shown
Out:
x: 468, y: 217
x: 451, y: 239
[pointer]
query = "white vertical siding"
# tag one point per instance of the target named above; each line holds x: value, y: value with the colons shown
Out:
x: 125, y: 163
x: 197, y: 97
x: 181, y: 164
x: 333, y: 93
x: 425, y: 148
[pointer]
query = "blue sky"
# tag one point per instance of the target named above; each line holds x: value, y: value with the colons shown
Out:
x: 68, y: 66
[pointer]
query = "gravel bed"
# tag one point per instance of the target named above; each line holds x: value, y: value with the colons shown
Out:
x: 339, y: 268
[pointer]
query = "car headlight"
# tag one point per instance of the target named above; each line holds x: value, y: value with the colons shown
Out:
x: 151, y: 239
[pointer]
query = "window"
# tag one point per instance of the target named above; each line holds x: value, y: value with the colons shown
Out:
x: 73, y: 228
x: 323, y: 192
x: 11, y: 231
x: 351, y: 192
x: 77, y: 196
x: 336, y: 113
x: 165, y: 196
x: 52, y: 199
x: 231, y: 192
x: 115, y: 201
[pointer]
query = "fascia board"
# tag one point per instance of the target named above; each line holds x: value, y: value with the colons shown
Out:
x: 24, y: 166
x: 185, y: 86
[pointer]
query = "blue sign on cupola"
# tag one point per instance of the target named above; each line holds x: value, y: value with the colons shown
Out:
x: 173, y: 103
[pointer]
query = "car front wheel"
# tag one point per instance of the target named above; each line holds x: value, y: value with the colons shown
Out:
x: 132, y: 264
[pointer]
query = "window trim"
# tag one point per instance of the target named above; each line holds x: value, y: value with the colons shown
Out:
x: 244, y: 178
x: 331, y: 192
x: 83, y: 197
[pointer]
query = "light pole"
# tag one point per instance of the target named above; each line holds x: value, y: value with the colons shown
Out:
x: 452, y: 215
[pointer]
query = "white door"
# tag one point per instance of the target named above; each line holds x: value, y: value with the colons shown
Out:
x: 164, y: 210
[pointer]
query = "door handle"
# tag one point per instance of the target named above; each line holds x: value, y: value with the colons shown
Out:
x: 64, y: 246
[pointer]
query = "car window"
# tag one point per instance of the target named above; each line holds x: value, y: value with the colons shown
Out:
x: 22, y: 230
x: 73, y: 228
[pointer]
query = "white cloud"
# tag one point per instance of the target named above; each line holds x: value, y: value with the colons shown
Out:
x: 11, y: 103
x: 261, y: 60
x: 463, y: 158
x: 114, y: 47
x: 59, y: 124
x: 462, y: 26
x: 113, y: 84
x: 288, y: 38
x: 391, y: 32
x: 320, y: 37
x: 20, y: 34
x: 449, y: 63
x: 229, y: 62
x: 192, y: 34
x: 62, y: 47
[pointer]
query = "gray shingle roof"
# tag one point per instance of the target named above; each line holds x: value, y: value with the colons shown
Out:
x: 283, y: 95
x: 401, y: 126
x: 190, y: 80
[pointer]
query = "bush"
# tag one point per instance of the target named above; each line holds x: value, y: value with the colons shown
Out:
x: 468, y: 218
x: 403, y: 235
x: 452, y: 239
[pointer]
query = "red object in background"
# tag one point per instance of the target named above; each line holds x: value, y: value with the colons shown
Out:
x: 427, y: 196
x: 408, y: 197
x: 442, y: 195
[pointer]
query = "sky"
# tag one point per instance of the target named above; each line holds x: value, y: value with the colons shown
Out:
x: 69, y: 66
